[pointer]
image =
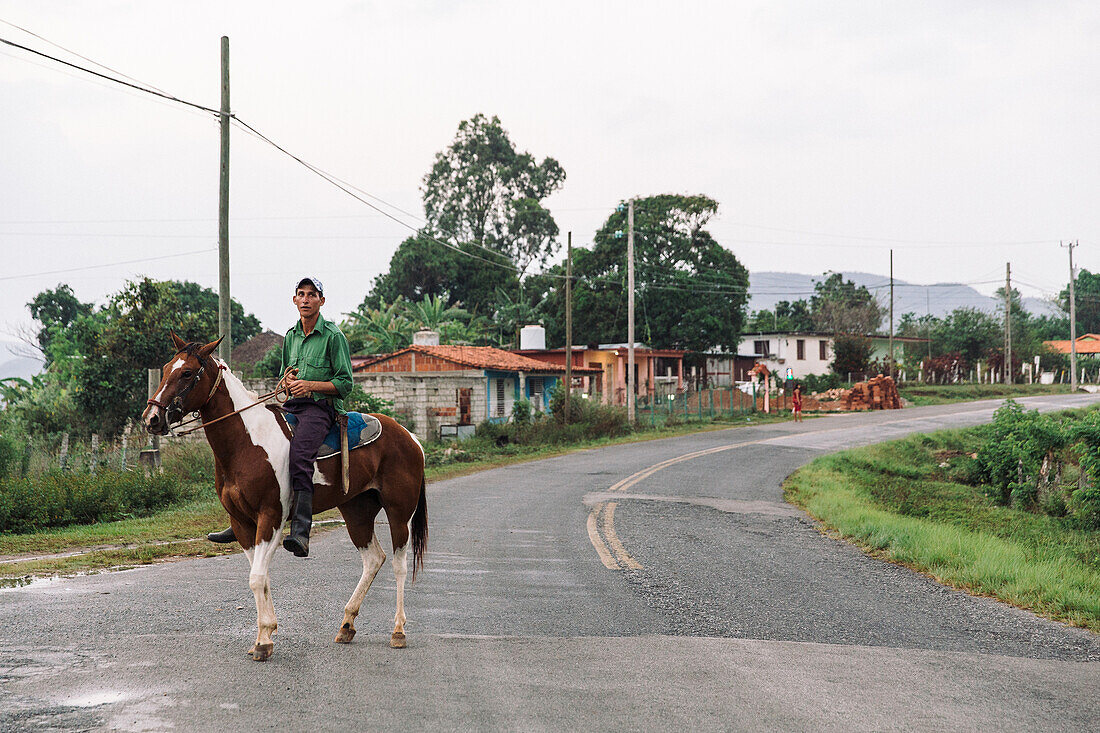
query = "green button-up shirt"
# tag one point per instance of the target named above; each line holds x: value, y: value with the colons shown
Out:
x: 322, y: 356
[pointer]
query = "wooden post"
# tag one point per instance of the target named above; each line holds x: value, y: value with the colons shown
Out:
x: 63, y: 460
x: 154, y: 450
x: 225, y: 324
x: 95, y: 453
x: 568, y: 325
x: 633, y: 389
x: 125, y: 440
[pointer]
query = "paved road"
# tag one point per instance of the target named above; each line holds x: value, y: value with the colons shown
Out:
x: 641, y: 586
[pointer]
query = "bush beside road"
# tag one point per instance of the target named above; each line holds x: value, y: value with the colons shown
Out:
x: 928, y: 502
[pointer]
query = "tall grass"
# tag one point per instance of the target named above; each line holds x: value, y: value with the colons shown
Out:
x: 50, y: 497
x: 898, y: 501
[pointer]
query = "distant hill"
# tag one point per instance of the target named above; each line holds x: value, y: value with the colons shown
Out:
x: 13, y: 365
x: 768, y: 288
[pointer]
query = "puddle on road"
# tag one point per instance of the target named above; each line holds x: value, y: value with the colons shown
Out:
x: 95, y: 699
x: 31, y: 582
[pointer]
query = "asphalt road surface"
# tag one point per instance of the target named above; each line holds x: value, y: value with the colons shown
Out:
x: 648, y: 586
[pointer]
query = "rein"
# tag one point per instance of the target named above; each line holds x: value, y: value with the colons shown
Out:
x: 279, y: 388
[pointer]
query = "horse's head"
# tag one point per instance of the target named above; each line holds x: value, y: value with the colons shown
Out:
x: 186, y: 383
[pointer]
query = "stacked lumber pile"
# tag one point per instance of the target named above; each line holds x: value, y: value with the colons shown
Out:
x: 878, y: 393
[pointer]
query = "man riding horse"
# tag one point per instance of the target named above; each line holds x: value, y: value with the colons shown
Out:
x: 316, y: 363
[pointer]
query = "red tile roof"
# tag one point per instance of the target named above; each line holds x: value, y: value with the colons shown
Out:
x: 1087, y: 344
x: 482, y: 357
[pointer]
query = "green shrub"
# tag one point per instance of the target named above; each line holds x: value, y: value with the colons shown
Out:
x: 57, y: 499
x: 521, y: 412
x: 10, y: 455
x: 360, y: 401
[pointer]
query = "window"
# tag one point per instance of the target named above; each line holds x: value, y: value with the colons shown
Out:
x: 760, y: 348
x: 535, y: 386
x: 498, y: 408
x: 823, y: 350
x: 801, y: 345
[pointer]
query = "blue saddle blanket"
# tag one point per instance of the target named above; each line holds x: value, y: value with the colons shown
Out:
x: 362, y: 429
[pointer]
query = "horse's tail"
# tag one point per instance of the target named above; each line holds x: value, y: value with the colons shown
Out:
x: 420, y: 529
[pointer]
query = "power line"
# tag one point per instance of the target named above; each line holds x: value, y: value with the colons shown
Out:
x: 123, y: 82
x: 109, y: 264
x: 945, y: 243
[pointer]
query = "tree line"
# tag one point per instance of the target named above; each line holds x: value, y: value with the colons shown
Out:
x: 487, y: 261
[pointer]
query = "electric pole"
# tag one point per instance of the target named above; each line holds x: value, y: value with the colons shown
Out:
x: 1008, y: 323
x: 224, y: 322
x: 568, y: 325
x: 1072, y: 319
x: 631, y: 389
x: 891, y: 314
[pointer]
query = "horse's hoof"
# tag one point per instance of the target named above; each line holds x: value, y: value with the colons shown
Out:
x: 345, y: 635
x: 251, y: 650
x: 397, y: 641
x: 263, y: 652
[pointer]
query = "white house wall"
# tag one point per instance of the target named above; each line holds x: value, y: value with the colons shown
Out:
x: 783, y: 351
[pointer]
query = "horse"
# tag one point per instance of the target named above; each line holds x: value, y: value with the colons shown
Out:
x: 251, y: 449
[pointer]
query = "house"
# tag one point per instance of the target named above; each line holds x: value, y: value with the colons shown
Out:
x: 601, y: 369
x: 1088, y: 344
x: 812, y: 352
x: 437, y: 386
x: 245, y: 356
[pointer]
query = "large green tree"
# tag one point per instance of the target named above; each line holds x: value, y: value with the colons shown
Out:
x: 691, y: 291
x: 482, y: 191
x: 840, y: 306
x: 788, y: 316
x: 55, y: 310
x: 112, y: 347
x: 423, y: 267
x: 1086, y: 291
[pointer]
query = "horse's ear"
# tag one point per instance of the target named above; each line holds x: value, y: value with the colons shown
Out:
x: 209, y: 348
x: 180, y: 343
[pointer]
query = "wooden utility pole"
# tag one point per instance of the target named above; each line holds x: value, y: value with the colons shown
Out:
x: 224, y: 322
x: 1008, y: 323
x: 1072, y: 320
x: 630, y: 387
x: 891, y: 314
x: 568, y: 325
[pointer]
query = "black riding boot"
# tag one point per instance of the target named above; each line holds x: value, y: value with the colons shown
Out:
x: 224, y: 537
x: 301, y: 519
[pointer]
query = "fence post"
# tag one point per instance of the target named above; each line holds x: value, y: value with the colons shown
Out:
x: 125, y: 440
x: 28, y: 451
x: 154, y: 453
x: 63, y: 459
x: 95, y: 453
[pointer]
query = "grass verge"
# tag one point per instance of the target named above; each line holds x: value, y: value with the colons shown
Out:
x: 180, y: 532
x: 898, y: 502
x: 920, y: 395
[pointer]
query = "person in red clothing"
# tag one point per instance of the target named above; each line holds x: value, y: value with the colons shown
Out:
x: 797, y: 402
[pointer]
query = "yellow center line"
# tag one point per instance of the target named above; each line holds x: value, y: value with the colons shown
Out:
x: 597, y: 541
x: 613, y: 539
x: 606, y: 522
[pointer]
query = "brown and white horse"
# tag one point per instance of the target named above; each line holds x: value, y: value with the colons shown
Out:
x: 251, y: 458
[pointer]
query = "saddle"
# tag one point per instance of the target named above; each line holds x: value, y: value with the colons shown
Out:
x: 363, y: 429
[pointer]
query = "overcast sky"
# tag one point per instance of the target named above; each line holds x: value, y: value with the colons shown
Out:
x: 828, y: 132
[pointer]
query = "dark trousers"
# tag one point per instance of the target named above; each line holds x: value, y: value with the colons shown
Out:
x: 315, y: 419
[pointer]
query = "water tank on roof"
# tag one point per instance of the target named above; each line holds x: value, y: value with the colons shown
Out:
x: 426, y: 338
x: 532, y: 337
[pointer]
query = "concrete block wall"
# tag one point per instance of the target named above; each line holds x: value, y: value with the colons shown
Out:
x: 429, y: 399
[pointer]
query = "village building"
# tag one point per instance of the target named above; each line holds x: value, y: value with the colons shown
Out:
x: 1087, y: 345
x: 599, y: 370
x: 446, y: 390
x: 812, y: 352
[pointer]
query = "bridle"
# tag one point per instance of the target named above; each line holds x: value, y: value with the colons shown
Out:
x: 173, y: 411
